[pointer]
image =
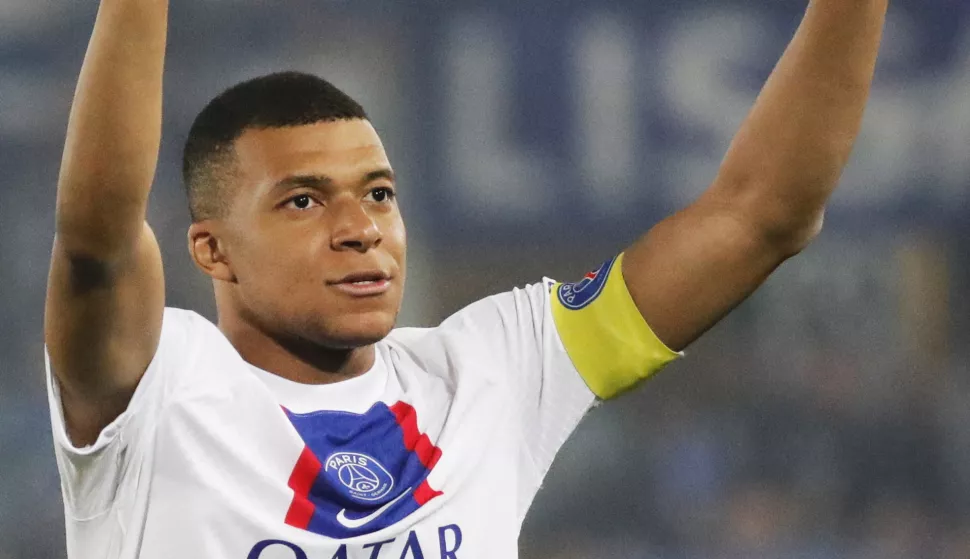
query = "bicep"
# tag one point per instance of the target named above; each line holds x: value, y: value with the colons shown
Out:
x: 103, y: 321
x: 692, y: 268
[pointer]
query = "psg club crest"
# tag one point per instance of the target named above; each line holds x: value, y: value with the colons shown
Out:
x: 575, y: 296
x: 359, y: 473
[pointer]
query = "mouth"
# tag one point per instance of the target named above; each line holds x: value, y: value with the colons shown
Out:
x: 363, y: 284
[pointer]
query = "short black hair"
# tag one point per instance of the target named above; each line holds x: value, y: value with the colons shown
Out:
x: 274, y: 101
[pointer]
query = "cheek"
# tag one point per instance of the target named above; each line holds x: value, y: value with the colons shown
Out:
x: 280, y: 260
x: 396, y: 237
x: 281, y: 282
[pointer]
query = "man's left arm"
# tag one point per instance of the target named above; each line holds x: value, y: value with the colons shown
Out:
x: 768, y: 198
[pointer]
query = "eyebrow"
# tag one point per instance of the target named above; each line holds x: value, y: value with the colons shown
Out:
x: 322, y: 181
x: 382, y: 173
x: 311, y: 181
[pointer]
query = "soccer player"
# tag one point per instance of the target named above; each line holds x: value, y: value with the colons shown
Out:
x: 303, y: 424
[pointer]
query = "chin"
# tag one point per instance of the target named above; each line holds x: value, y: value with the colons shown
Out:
x: 350, y: 332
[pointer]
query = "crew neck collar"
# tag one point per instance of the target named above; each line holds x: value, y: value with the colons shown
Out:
x: 355, y: 395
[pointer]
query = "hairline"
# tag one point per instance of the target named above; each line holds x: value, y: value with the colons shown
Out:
x: 224, y: 158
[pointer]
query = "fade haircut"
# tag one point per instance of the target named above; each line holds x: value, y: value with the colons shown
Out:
x: 275, y: 101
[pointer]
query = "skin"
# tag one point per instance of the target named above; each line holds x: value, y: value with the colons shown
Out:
x: 272, y: 265
x: 278, y: 254
x: 768, y: 199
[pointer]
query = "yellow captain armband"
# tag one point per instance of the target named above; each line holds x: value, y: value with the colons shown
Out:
x: 604, y: 334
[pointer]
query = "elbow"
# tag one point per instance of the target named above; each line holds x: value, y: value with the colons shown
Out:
x: 787, y: 223
x: 785, y: 220
x: 794, y: 236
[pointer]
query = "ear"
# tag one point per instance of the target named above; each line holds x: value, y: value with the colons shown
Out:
x: 208, y: 251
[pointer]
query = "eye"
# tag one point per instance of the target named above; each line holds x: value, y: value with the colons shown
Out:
x: 382, y: 194
x: 301, y: 202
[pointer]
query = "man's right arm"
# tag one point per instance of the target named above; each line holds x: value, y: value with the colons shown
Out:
x: 105, y: 292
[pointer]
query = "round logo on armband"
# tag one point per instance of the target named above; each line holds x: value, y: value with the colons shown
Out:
x: 575, y: 296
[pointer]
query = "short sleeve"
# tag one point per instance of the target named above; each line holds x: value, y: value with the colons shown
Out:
x: 562, y: 347
x: 92, y: 475
x: 549, y: 394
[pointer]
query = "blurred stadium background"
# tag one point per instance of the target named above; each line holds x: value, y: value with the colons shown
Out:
x: 828, y: 417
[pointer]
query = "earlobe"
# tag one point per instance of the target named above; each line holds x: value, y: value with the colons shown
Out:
x: 207, y: 252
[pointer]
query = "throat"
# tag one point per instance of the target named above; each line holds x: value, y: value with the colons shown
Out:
x: 315, y: 366
x: 298, y: 359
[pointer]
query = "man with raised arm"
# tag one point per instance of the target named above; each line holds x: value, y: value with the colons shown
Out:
x: 303, y: 424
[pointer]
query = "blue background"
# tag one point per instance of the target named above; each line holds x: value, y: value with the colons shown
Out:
x: 826, y: 417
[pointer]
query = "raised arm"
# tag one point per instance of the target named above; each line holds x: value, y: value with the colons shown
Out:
x: 105, y: 293
x: 768, y: 198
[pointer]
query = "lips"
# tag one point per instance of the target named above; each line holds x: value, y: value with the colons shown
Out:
x: 364, y: 276
x: 364, y: 283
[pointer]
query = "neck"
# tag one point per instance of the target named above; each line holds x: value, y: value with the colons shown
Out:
x: 295, y: 359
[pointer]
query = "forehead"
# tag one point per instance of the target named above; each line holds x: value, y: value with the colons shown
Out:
x: 342, y: 149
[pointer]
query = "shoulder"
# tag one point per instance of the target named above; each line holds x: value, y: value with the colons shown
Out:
x: 190, y: 342
x: 176, y: 318
x: 184, y: 332
x: 408, y: 340
x: 497, y: 316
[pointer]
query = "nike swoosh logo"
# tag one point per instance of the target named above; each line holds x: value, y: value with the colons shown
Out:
x: 358, y: 522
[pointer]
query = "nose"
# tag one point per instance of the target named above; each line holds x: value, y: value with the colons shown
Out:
x: 354, y: 228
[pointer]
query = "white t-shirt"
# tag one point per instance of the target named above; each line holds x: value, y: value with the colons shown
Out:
x: 435, y: 453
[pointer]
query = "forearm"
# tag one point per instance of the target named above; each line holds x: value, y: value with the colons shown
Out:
x: 788, y: 155
x: 114, y: 131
